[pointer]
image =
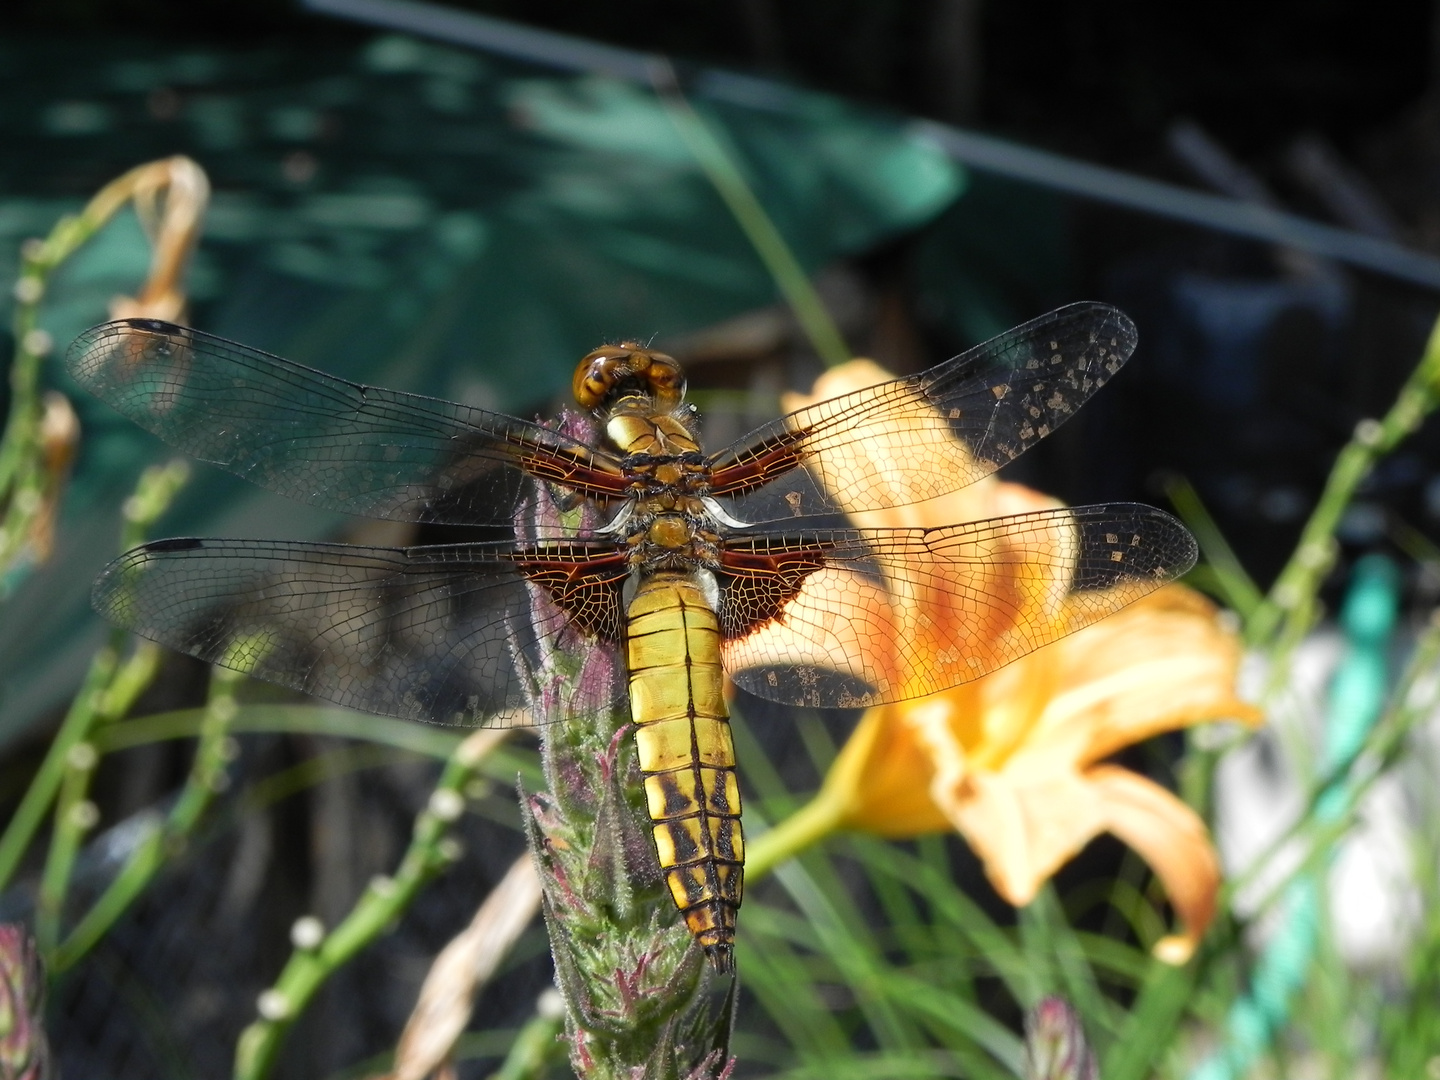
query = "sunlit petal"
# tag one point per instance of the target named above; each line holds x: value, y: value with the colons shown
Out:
x: 1163, y: 663
x: 1024, y: 831
x: 903, y: 487
x: 1173, y: 840
x: 882, y: 776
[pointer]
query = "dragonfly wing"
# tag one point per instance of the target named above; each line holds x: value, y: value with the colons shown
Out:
x: 920, y: 437
x: 323, y: 440
x: 448, y: 634
x: 850, y: 618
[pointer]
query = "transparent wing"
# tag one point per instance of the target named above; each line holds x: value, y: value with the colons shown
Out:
x: 946, y: 427
x: 845, y: 618
x: 325, y: 441
x: 448, y: 634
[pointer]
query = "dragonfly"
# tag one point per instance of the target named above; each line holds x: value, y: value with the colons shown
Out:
x: 700, y: 563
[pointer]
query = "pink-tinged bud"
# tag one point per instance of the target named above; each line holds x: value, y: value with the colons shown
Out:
x: 24, y: 1050
x: 1055, y: 1046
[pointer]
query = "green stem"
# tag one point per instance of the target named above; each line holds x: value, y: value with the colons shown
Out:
x: 720, y: 166
x: 207, y: 776
x: 41, y: 793
x: 1290, y: 608
x: 39, y: 259
x: 29, y: 485
x: 1239, y: 590
x: 287, y: 720
x: 19, y: 447
x: 382, y: 902
x: 1159, y: 1009
x: 814, y: 821
x: 108, y: 691
x: 75, y: 816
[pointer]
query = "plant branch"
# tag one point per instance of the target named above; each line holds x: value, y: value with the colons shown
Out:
x: 431, y: 850
x: 1290, y: 607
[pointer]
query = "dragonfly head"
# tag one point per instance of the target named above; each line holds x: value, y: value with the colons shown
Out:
x: 614, y: 372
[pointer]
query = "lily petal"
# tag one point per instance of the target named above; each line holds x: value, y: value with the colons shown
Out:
x: 1161, y: 664
x: 905, y: 498
x: 1024, y: 832
x: 881, y: 777
x: 1173, y: 839
x: 1009, y: 760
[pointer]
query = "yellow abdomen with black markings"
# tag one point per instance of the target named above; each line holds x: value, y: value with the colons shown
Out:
x: 687, y: 755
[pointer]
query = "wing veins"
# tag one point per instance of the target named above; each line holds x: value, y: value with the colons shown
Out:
x: 978, y: 579
x: 999, y: 398
x: 317, y: 437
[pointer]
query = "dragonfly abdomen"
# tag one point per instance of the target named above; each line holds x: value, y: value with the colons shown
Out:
x: 687, y: 755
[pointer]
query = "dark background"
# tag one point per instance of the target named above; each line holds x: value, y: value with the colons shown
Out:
x: 1099, y: 79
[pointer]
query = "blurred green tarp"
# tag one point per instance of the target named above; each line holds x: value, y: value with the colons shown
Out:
x: 417, y: 216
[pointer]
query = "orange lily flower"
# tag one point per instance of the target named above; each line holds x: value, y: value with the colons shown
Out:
x: 1014, y: 760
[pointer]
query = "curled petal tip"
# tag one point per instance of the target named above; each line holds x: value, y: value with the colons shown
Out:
x: 1175, y: 949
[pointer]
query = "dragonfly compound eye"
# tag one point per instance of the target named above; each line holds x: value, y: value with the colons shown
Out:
x: 627, y: 368
x: 598, y: 373
x: 667, y: 381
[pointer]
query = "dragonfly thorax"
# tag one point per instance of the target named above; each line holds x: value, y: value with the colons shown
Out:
x: 670, y: 532
x: 665, y: 472
x: 644, y: 434
x: 667, y: 533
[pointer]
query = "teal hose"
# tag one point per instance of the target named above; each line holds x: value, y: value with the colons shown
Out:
x: 1357, y: 695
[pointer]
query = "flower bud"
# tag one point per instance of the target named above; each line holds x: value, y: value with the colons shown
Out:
x: 24, y: 1050
x: 1055, y: 1046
